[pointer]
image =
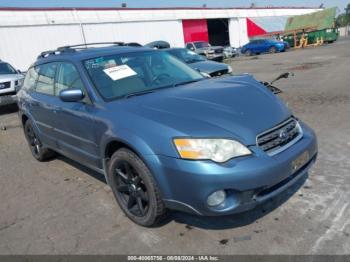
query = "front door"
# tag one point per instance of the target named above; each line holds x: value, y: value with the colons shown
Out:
x: 74, y: 121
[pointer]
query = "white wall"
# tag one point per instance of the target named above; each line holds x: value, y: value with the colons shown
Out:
x: 344, y: 31
x: 141, y: 32
x: 238, y: 32
x: 24, y: 34
x: 21, y: 45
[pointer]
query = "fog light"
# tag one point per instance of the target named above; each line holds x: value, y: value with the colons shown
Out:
x: 216, y: 198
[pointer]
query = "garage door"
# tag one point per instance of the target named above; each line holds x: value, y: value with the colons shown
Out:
x: 195, y: 30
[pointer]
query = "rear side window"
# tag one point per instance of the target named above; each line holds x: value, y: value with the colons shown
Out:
x: 67, y: 78
x: 46, y: 79
x: 189, y: 46
x: 30, y: 80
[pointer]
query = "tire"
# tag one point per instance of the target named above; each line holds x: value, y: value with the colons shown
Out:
x: 272, y: 50
x: 135, y: 189
x: 38, y: 151
x: 248, y: 53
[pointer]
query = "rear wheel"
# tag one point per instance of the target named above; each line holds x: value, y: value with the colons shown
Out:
x: 134, y: 188
x: 39, y: 152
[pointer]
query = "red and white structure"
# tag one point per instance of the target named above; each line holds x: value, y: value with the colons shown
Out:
x: 24, y: 33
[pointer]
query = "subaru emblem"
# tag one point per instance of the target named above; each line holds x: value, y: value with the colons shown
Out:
x: 283, y: 134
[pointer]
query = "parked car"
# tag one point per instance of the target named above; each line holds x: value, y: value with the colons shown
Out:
x: 133, y: 44
x: 200, y: 63
x: 164, y: 136
x: 230, y: 52
x: 205, y: 49
x: 10, y: 82
x: 158, y: 45
x: 260, y: 46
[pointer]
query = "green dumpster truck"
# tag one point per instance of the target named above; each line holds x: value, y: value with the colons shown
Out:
x: 314, y: 26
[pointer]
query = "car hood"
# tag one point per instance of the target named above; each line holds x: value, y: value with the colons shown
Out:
x: 208, y: 67
x: 235, y: 107
x: 10, y: 77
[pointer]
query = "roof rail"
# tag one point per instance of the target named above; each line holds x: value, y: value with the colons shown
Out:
x: 89, y: 44
x: 72, y: 48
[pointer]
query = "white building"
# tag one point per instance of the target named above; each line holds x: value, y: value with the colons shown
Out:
x: 24, y: 33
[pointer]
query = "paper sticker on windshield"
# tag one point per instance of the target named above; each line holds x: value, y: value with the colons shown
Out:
x: 119, y: 72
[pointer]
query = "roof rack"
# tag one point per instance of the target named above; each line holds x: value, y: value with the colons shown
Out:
x: 73, y: 48
x: 89, y: 44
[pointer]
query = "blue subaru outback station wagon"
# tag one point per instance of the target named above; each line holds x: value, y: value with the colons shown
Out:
x: 164, y: 136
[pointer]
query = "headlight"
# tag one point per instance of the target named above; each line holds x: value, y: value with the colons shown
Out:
x: 205, y: 74
x: 229, y: 69
x: 20, y: 82
x: 218, y: 150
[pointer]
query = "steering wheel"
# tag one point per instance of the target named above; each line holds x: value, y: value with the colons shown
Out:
x: 159, y: 78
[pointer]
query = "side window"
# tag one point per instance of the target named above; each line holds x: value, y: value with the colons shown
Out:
x: 67, y: 78
x: 46, y: 78
x: 30, y: 79
x: 190, y: 46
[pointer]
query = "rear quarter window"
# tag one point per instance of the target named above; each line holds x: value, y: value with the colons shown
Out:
x: 30, y: 79
x: 46, y: 78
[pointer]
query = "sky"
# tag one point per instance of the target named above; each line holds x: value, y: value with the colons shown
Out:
x: 341, y: 4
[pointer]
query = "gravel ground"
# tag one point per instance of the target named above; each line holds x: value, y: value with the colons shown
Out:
x: 60, y: 207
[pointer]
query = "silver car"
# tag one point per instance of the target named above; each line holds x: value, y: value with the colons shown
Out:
x: 10, y: 82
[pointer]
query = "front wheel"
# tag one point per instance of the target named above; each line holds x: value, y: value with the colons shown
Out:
x: 272, y: 50
x: 134, y: 188
x: 248, y: 53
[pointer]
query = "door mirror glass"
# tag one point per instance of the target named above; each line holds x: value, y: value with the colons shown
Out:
x: 71, y: 95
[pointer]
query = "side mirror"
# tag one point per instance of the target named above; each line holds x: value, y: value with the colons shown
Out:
x: 19, y: 71
x: 71, y: 95
x: 284, y: 75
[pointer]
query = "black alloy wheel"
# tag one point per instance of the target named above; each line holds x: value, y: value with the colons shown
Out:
x: 134, y: 188
x: 131, y: 189
x: 39, y: 152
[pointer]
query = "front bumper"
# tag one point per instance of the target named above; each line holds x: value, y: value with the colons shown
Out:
x: 215, y: 57
x: 8, y: 99
x: 248, y: 181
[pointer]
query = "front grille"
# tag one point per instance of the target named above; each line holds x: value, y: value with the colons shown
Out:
x: 219, y: 73
x: 280, y: 137
x: 5, y: 85
x: 219, y: 51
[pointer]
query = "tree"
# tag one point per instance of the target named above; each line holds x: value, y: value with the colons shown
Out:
x: 343, y: 19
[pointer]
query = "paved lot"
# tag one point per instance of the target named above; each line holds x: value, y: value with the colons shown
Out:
x: 60, y: 207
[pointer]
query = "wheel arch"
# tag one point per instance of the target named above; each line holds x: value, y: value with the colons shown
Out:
x: 141, y: 149
x: 24, y: 119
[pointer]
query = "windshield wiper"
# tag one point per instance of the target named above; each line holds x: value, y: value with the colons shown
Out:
x: 188, y: 82
x: 140, y: 93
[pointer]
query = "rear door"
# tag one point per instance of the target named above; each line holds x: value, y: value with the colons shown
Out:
x: 41, y: 105
x: 74, y: 121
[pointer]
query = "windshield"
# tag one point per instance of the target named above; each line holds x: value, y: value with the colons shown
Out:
x: 186, y: 55
x: 201, y: 44
x: 6, y: 69
x: 120, y: 75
